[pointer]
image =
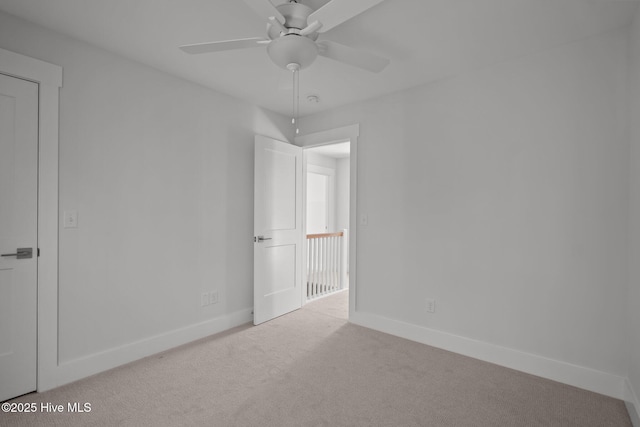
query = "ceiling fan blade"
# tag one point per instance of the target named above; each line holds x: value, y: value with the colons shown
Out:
x: 351, y: 56
x: 224, y: 45
x: 336, y: 12
x: 265, y: 9
x: 311, y: 28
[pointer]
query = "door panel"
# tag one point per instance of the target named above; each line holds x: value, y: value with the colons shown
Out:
x: 280, y: 190
x: 277, y: 219
x: 280, y: 269
x: 18, y: 229
x: 6, y: 301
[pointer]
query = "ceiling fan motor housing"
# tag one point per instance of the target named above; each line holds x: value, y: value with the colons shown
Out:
x: 295, y: 15
x: 292, y: 48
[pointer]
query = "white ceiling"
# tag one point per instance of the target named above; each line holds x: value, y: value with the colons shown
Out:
x: 425, y: 40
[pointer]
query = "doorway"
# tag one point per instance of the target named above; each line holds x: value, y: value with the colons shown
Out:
x: 327, y: 173
x: 349, y: 133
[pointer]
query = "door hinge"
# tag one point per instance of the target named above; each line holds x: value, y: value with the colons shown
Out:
x: 38, y: 252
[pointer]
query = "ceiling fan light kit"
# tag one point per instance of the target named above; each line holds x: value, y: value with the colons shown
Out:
x: 292, y: 31
x: 292, y: 49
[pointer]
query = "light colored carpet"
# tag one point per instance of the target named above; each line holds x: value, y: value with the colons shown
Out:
x: 313, y: 368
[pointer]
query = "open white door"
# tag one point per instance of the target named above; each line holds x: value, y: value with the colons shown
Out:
x: 277, y: 250
x: 18, y: 235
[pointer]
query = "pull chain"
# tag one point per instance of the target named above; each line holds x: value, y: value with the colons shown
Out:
x: 295, y: 68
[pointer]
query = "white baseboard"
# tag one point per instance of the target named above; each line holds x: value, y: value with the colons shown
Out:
x: 633, y: 414
x: 633, y: 404
x: 76, y: 369
x: 578, y: 376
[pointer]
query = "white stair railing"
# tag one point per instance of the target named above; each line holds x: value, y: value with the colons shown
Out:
x: 326, y: 263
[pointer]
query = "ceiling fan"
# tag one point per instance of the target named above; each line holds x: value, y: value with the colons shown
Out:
x: 292, y: 32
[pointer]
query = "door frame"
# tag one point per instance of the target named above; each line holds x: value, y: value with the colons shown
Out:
x: 332, y: 136
x: 49, y: 79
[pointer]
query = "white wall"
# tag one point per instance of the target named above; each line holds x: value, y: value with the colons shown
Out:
x: 161, y: 173
x: 318, y: 159
x: 320, y: 163
x: 634, y: 254
x: 318, y: 202
x: 503, y: 195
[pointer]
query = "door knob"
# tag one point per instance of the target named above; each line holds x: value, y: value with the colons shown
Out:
x: 261, y: 239
x: 22, y: 253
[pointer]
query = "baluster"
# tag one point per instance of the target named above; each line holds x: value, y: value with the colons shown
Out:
x: 316, y: 282
x: 325, y: 259
x: 329, y: 264
x: 338, y: 243
x: 308, y: 268
x: 318, y: 265
x: 322, y: 259
x: 314, y: 288
x: 340, y: 266
x: 330, y: 269
x: 333, y: 264
x: 319, y: 270
x: 311, y: 256
x: 325, y: 265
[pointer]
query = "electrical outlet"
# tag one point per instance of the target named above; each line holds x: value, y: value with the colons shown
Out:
x: 431, y: 305
x: 213, y: 297
x: 204, y: 299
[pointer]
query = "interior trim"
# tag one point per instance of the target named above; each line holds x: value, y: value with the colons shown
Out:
x: 49, y: 79
x: 556, y: 370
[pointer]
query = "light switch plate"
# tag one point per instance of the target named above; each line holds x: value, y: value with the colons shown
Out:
x: 431, y: 305
x: 70, y: 219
